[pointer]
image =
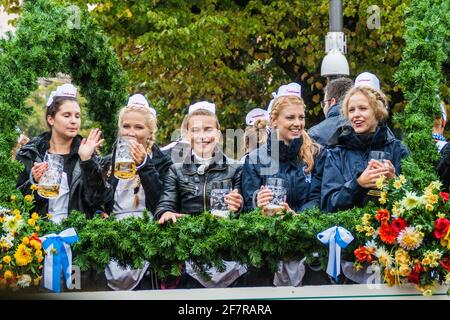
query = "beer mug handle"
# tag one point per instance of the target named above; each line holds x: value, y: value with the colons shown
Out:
x: 255, y: 195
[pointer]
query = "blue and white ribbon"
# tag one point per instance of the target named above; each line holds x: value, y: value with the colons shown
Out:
x: 61, y: 258
x: 337, y: 238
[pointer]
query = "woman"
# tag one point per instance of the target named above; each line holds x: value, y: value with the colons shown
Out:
x: 187, y: 187
x: 81, y: 170
x: 131, y: 197
x: 291, y: 155
x: 349, y: 171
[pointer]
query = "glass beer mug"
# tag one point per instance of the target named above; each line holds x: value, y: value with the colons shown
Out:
x: 218, y: 192
x: 50, y: 182
x: 380, y: 156
x: 124, y: 166
x: 278, y: 187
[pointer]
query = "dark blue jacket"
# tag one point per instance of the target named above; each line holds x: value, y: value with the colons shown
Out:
x: 323, y: 131
x: 348, y: 159
x: 303, y: 189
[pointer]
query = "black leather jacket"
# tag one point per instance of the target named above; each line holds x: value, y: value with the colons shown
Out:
x: 186, y: 190
x: 82, y: 176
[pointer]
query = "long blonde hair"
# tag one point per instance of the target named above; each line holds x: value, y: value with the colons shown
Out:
x: 309, y: 148
x: 149, y: 120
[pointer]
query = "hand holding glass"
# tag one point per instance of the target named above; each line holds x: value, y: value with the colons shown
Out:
x: 50, y: 181
x: 218, y: 192
x: 278, y: 187
x: 124, y: 165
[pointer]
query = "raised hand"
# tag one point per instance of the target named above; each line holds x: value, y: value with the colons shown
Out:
x: 137, y: 152
x: 90, y: 144
x: 264, y: 196
x: 168, y: 215
x: 234, y: 200
x: 38, y: 170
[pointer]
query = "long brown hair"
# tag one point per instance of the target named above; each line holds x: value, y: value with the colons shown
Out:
x: 309, y: 148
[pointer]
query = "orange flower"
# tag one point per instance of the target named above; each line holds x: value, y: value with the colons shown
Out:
x: 364, y: 254
x: 382, y: 215
x: 387, y: 233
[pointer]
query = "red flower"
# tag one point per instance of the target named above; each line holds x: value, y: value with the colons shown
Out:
x: 382, y: 215
x: 445, y: 263
x: 444, y: 196
x: 417, y: 268
x: 441, y: 226
x: 363, y: 254
x: 414, y: 277
x: 387, y: 233
x: 398, y: 225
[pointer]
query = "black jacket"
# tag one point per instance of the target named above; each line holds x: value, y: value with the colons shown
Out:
x: 303, y: 189
x: 82, y: 176
x: 188, y: 191
x: 323, y: 131
x: 348, y: 159
x: 443, y: 166
x: 151, y: 175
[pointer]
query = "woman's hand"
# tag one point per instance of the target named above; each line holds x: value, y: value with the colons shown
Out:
x: 370, y: 175
x: 287, y: 208
x: 89, y: 145
x: 137, y: 152
x: 169, y: 215
x: 38, y: 170
x: 264, y: 196
x: 234, y: 200
x: 386, y: 165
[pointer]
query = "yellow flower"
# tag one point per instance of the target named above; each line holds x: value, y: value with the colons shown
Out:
x: 359, y: 228
x: 8, y: 274
x: 31, y: 222
x: 37, y: 245
x: 13, y: 198
x: 426, y: 261
x: 370, y: 231
x: 402, y: 257
x: 7, y: 259
x: 445, y: 240
x: 402, y: 179
x: 366, y: 219
x: 49, y: 216
x: 1, y: 266
x: 25, y: 241
x: 383, y: 197
x: 436, y: 185
x: 33, y: 243
x: 23, y: 255
x: 432, y: 258
x: 39, y: 259
x: 447, y: 278
x: 440, y: 215
x: 18, y: 217
x: 34, y: 216
x: 37, y: 228
x: 411, y: 200
x: 397, y: 184
x: 28, y: 198
x: 396, y: 212
x: 380, y: 182
x: 37, y: 280
x: 34, y: 187
x: 38, y: 253
x: 429, y: 207
x: 2, y: 219
x: 16, y: 212
x: 404, y: 270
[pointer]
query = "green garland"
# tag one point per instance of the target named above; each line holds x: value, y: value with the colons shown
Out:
x: 427, y: 40
x: 48, y: 41
x: 253, y: 239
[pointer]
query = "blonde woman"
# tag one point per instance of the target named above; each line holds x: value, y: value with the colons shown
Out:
x: 137, y: 121
x: 351, y: 169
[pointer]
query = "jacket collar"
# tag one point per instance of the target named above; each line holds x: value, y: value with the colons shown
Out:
x: 287, y: 152
x: 41, y: 143
x: 334, y: 111
x: 219, y: 163
x: 347, y: 137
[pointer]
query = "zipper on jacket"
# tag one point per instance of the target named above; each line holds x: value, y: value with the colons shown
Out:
x: 204, y: 193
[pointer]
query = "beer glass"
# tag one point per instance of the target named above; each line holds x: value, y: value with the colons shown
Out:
x: 278, y: 187
x: 219, y: 189
x: 124, y: 166
x: 50, y: 182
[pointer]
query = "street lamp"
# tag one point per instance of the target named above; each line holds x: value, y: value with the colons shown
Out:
x: 335, y: 64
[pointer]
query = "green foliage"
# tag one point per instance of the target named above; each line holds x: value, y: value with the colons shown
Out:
x: 253, y: 239
x: 46, y: 43
x: 237, y: 53
x: 420, y: 74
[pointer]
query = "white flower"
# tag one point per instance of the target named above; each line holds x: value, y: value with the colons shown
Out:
x: 411, y: 200
x: 7, y: 241
x: 384, y: 257
x: 410, y: 238
x: 371, y: 244
x: 12, y: 225
x: 24, y: 281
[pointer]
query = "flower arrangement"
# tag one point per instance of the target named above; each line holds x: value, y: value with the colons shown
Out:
x: 21, y: 253
x: 409, y: 236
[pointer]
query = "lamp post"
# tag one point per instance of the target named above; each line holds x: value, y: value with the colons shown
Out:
x: 334, y: 64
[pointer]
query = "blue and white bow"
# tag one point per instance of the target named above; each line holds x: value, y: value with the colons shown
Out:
x: 337, y: 238
x: 61, y: 256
